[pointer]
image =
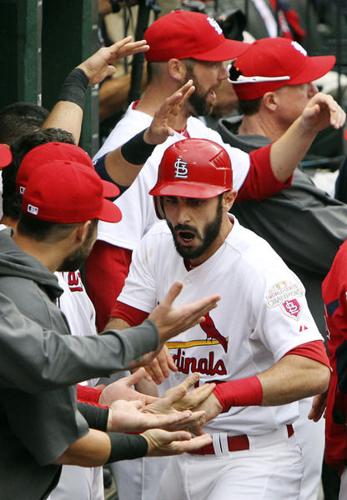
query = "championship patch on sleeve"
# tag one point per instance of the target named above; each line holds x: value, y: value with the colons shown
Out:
x: 285, y: 294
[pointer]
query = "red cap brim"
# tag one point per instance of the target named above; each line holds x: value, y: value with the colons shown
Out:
x: 110, y: 190
x: 226, y: 51
x: 315, y: 67
x: 109, y: 212
x: 5, y: 155
x: 186, y: 190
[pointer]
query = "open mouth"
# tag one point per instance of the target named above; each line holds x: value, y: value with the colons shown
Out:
x: 185, y: 236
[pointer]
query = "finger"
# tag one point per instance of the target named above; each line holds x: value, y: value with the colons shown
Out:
x: 200, y: 308
x: 133, y: 48
x: 199, y: 395
x: 110, y: 71
x: 171, y: 419
x: 193, y: 444
x: 163, y: 358
x: 128, y: 51
x: 155, y: 372
x: 191, y: 380
x: 179, y: 436
x: 172, y: 294
x: 170, y: 362
x: 175, y: 394
x: 187, y: 93
x: 135, y: 377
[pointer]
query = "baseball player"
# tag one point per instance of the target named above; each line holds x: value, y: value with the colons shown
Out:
x: 335, y: 402
x: 261, y: 345
x: 186, y: 45
x: 272, y: 94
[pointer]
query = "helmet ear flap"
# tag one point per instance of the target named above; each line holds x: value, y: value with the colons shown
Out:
x: 158, y: 207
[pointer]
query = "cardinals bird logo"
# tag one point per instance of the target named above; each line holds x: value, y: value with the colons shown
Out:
x: 211, y: 331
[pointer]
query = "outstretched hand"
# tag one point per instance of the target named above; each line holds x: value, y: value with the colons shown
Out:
x: 171, y: 321
x: 162, y: 443
x: 180, y: 399
x: 321, y: 112
x: 100, y: 65
x: 128, y: 416
x: 123, y: 389
x: 164, y: 119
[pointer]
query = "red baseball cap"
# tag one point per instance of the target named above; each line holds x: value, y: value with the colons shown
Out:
x: 271, y: 63
x: 183, y: 35
x: 43, y: 154
x: 5, y: 155
x: 68, y: 192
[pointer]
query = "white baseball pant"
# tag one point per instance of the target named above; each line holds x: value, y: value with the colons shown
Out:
x: 271, y: 469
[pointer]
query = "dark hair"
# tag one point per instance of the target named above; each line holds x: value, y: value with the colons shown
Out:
x: 11, y: 200
x: 250, y: 108
x: 40, y: 230
x: 20, y: 118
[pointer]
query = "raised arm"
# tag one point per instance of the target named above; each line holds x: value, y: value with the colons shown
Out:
x: 123, y: 164
x: 320, y: 112
x: 68, y: 111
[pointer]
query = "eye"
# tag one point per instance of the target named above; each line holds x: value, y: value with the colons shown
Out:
x: 170, y: 200
x: 195, y: 202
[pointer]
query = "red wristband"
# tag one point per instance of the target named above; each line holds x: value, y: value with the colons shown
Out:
x: 242, y: 392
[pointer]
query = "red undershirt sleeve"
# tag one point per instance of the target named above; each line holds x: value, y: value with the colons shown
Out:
x: 314, y: 350
x: 90, y: 395
x: 260, y: 182
x: 129, y: 314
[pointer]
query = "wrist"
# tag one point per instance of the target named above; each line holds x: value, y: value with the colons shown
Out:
x: 242, y: 392
x: 147, y: 137
x: 75, y: 87
x: 137, y: 150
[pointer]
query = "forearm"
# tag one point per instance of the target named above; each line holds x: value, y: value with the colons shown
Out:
x: 290, y: 379
x: 67, y: 116
x: 68, y: 111
x: 98, y: 448
x: 49, y: 360
x: 91, y: 450
x: 293, y: 378
x: 290, y: 149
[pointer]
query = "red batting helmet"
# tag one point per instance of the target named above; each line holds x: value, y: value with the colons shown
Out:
x: 193, y: 168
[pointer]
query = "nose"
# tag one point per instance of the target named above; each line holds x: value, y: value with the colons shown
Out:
x: 183, y: 213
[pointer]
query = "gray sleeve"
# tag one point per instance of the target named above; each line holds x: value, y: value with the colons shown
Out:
x: 302, y: 223
x: 34, y: 359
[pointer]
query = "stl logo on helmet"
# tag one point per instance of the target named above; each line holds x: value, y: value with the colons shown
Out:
x: 181, y: 169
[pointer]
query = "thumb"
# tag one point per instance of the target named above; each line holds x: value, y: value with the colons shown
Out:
x: 138, y: 404
x: 173, y: 293
x: 136, y: 377
x: 312, y: 111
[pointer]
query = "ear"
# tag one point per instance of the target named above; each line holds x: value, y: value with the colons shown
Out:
x: 228, y: 199
x: 270, y: 101
x: 177, y: 70
x: 81, y: 232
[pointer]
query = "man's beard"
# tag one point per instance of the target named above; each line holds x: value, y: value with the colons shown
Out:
x: 199, y: 104
x: 198, y: 101
x: 75, y: 260
x: 211, y: 231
